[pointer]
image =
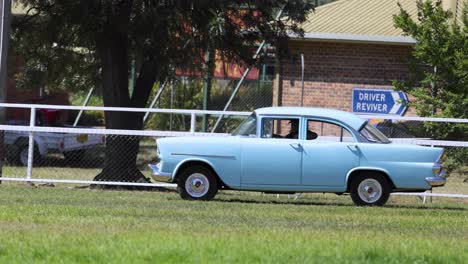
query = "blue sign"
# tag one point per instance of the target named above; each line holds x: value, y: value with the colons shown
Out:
x: 382, y: 102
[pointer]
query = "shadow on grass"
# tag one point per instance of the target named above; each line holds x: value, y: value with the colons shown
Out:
x: 340, y: 204
x: 300, y: 203
x: 423, y: 207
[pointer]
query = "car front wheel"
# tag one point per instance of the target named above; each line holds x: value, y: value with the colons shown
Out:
x: 369, y: 189
x: 197, y: 183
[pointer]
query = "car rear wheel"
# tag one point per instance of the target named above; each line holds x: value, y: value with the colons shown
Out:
x: 20, y: 151
x: 197, y: 183
x: 370, y: 189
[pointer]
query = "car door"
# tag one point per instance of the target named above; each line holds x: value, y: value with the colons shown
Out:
x: 328, y: 158
x: 274, y: 158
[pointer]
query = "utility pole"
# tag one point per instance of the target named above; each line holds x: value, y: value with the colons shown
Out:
x: 5, y: 12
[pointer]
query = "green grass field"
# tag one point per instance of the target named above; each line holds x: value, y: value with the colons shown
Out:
x: 60, y: 225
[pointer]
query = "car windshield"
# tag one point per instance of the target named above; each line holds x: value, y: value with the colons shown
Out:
x: 248, y: 127
x: 373, y: 135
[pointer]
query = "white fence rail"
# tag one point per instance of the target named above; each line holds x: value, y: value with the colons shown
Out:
x: 32, y: 129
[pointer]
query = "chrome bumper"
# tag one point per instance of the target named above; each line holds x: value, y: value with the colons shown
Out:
x: 157, y: 175
x: 436, y: 181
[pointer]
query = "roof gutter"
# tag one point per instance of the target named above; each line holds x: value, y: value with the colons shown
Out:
x: 353, y: 38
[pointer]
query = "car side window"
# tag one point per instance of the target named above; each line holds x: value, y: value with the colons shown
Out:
x: 280, y: 128
x: 327, y: 131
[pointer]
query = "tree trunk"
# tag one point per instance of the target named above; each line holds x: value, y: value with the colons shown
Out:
x: 121, y: 151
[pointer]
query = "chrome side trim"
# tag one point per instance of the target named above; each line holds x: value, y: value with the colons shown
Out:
x: 182, y: 162
x: 201, y: 155
x: 158, y: 175
x: 366, y: 168
x: 436, y: 181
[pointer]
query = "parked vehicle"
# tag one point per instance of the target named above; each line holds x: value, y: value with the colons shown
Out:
x: 72, y: 146
x: 294, y: 149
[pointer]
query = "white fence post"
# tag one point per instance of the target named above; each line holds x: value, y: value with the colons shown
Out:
x: 32, y: 123
x: 193, y: 120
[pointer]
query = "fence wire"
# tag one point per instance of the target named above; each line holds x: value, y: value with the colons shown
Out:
x: 455, y: 160
x: 83, y: 157
x: 64, y: 156
x: 189, y: 95
x: 124, y: 158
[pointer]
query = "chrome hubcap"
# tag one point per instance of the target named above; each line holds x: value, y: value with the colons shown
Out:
x: 197, y: 185
x: 370, y: 190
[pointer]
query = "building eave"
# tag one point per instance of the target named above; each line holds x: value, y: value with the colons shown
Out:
x: 353, y: 38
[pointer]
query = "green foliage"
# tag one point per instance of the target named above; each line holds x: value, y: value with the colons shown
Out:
x: 324, y: 2
x: 46, y: 63
x: 188, y: 94
x: 439, y: 65
x: 456, y: 161
x: 88, y: 118
x: 439, y: 82
x: 62, y: 41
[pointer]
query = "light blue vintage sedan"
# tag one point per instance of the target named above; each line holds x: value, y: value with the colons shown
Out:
x: 295, y: 149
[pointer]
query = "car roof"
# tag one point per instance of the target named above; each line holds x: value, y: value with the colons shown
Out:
x: 350, y: 119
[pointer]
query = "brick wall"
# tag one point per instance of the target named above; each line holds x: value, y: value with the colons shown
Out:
x: 332, y: 70
x: 28, y: 96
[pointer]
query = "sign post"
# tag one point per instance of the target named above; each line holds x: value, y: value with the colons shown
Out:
x: 379, y: 101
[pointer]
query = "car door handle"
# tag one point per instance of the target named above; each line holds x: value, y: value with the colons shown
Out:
x: 353, y: 147
x: 296, y: 145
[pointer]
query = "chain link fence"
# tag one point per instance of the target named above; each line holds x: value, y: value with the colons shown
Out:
x: 84, y: 155
x: 80, y: 157
x: 457, y: 177
x: 188, y: 94
x: 435, y: 134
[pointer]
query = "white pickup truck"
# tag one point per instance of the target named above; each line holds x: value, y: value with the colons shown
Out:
x: 73, y: 146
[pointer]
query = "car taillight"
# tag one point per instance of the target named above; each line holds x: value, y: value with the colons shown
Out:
x: 437, y: 169
x: 441, y: 157
x: 103, y: 139
x: 61, y: 145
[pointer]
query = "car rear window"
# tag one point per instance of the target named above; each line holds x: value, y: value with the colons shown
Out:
x: 373, y: 135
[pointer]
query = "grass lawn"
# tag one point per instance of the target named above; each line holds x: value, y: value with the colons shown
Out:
x: 59, y: 225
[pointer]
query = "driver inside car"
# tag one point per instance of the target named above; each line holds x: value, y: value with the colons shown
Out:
x: 294, y: 131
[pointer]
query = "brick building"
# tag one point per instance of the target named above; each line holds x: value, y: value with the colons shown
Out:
x: 348, y: 44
